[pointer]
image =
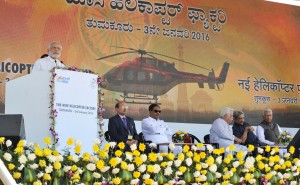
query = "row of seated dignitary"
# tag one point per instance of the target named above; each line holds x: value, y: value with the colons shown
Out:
x: 267, y: 132
x: 122, y: 128
x: 221, y: 131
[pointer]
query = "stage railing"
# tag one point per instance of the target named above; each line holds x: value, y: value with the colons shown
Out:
x: 5, y: 176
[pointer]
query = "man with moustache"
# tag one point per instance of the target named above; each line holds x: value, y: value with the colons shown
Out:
x: 51, y: 61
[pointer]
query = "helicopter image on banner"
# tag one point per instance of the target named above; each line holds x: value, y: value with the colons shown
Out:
x: 146, y: 78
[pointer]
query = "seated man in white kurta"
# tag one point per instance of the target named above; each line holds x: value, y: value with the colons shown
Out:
x: 221, y: 132
x: 157, y: 130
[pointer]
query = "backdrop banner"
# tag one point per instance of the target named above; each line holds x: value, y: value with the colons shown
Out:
x: 193, y: 57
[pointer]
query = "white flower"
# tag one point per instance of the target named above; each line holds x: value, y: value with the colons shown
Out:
x: 129, y: 157
x: 297, y: 163
x: 177, y: 163
x: 97, y: 141
x: 272, y: 152
x: 156, y: 168
x: 130, y: 167
x: 8, y: 143
x: 235, y: 164
x: 115, y: 170
x: 152, y: 145
x: 96, y: 175
x: 7, y: 156
x: 67, y: 168
x: 287, y: 155
x: 112, y: 144
x: 172, y: 182
x: 133, y: 147
x: 94, y: 159
x: 75, y: 158
x: 178, y: 173
x: 169, y: 163
x: 286, y: 175
x: 160, y: 158
x: 49, y: 169
x: 213, y: 168
x: 209, y: 148
x: 143, y: 157
x: 51, y: 158
x: 252, y: 181
x: 40, y: 174
x: 203, y: 177
x: 134, y: 181
x: 59, y: 158
x: 245, y: 170
x: 204, y: 165
x: 91, y: 167
x: 78, y: 143
x: 34, y: 166
x: 181, y: 182
x: 20, y: 168
x: 294, y: 168
x: 168, y: 171
x: 79, y: 171
x: 146, y: 176
x: 281, y: 162
x: 189, y: 161
x: 142, y: 168
x: 218, y: 175
x: 196, y: 174
x: 105, y: 169
x: 260, y: 150
x: 219, y: 160
x: 171, y: 146
x: 22, y: 159
x: 271, y: 163
x: 293, y: 183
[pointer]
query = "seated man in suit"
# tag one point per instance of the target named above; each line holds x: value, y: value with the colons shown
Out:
x: 121, y: 128
x: 157, y: 130
x: 244, y: 131
x: 221, y: 132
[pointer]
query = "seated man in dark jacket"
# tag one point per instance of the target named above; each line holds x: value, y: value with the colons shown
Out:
x: 121, y: 128
x: 244, y: 131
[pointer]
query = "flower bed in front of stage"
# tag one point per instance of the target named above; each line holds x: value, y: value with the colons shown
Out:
x: 30, y: 164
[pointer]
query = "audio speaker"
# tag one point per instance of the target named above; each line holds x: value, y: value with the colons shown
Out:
x: 12, y: 128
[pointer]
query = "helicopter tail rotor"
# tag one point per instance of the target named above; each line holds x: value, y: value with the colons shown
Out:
x: 215, y: 82
x: 222, y: 77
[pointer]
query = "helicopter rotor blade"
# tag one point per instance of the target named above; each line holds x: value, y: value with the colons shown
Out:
x: 115, y: 55
x: 124, y: 48
x: 179, y: 60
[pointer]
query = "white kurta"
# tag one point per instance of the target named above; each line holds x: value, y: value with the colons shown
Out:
x: 221, y: 132
x: 46, y: 64
x: 158, y: 131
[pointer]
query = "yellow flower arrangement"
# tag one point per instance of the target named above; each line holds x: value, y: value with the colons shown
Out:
x: 117, y: 166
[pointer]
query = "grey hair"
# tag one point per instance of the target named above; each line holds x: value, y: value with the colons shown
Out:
x: 226, y: 110
x: 267, y: 110
x: 237, y: 113
x: 54, y: 42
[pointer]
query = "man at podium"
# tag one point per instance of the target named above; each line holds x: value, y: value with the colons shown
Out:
x: 47, y: 63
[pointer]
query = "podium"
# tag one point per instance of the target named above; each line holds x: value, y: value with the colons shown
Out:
x: 75, y: 100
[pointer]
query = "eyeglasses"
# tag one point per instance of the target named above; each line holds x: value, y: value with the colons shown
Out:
x: 124, y: 107
x: 157, y: 111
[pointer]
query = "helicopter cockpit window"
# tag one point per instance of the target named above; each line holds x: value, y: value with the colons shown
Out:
x: 129, y: 75
x: 156, y: 76
x: 118, y: 74
x: 141, y: 76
